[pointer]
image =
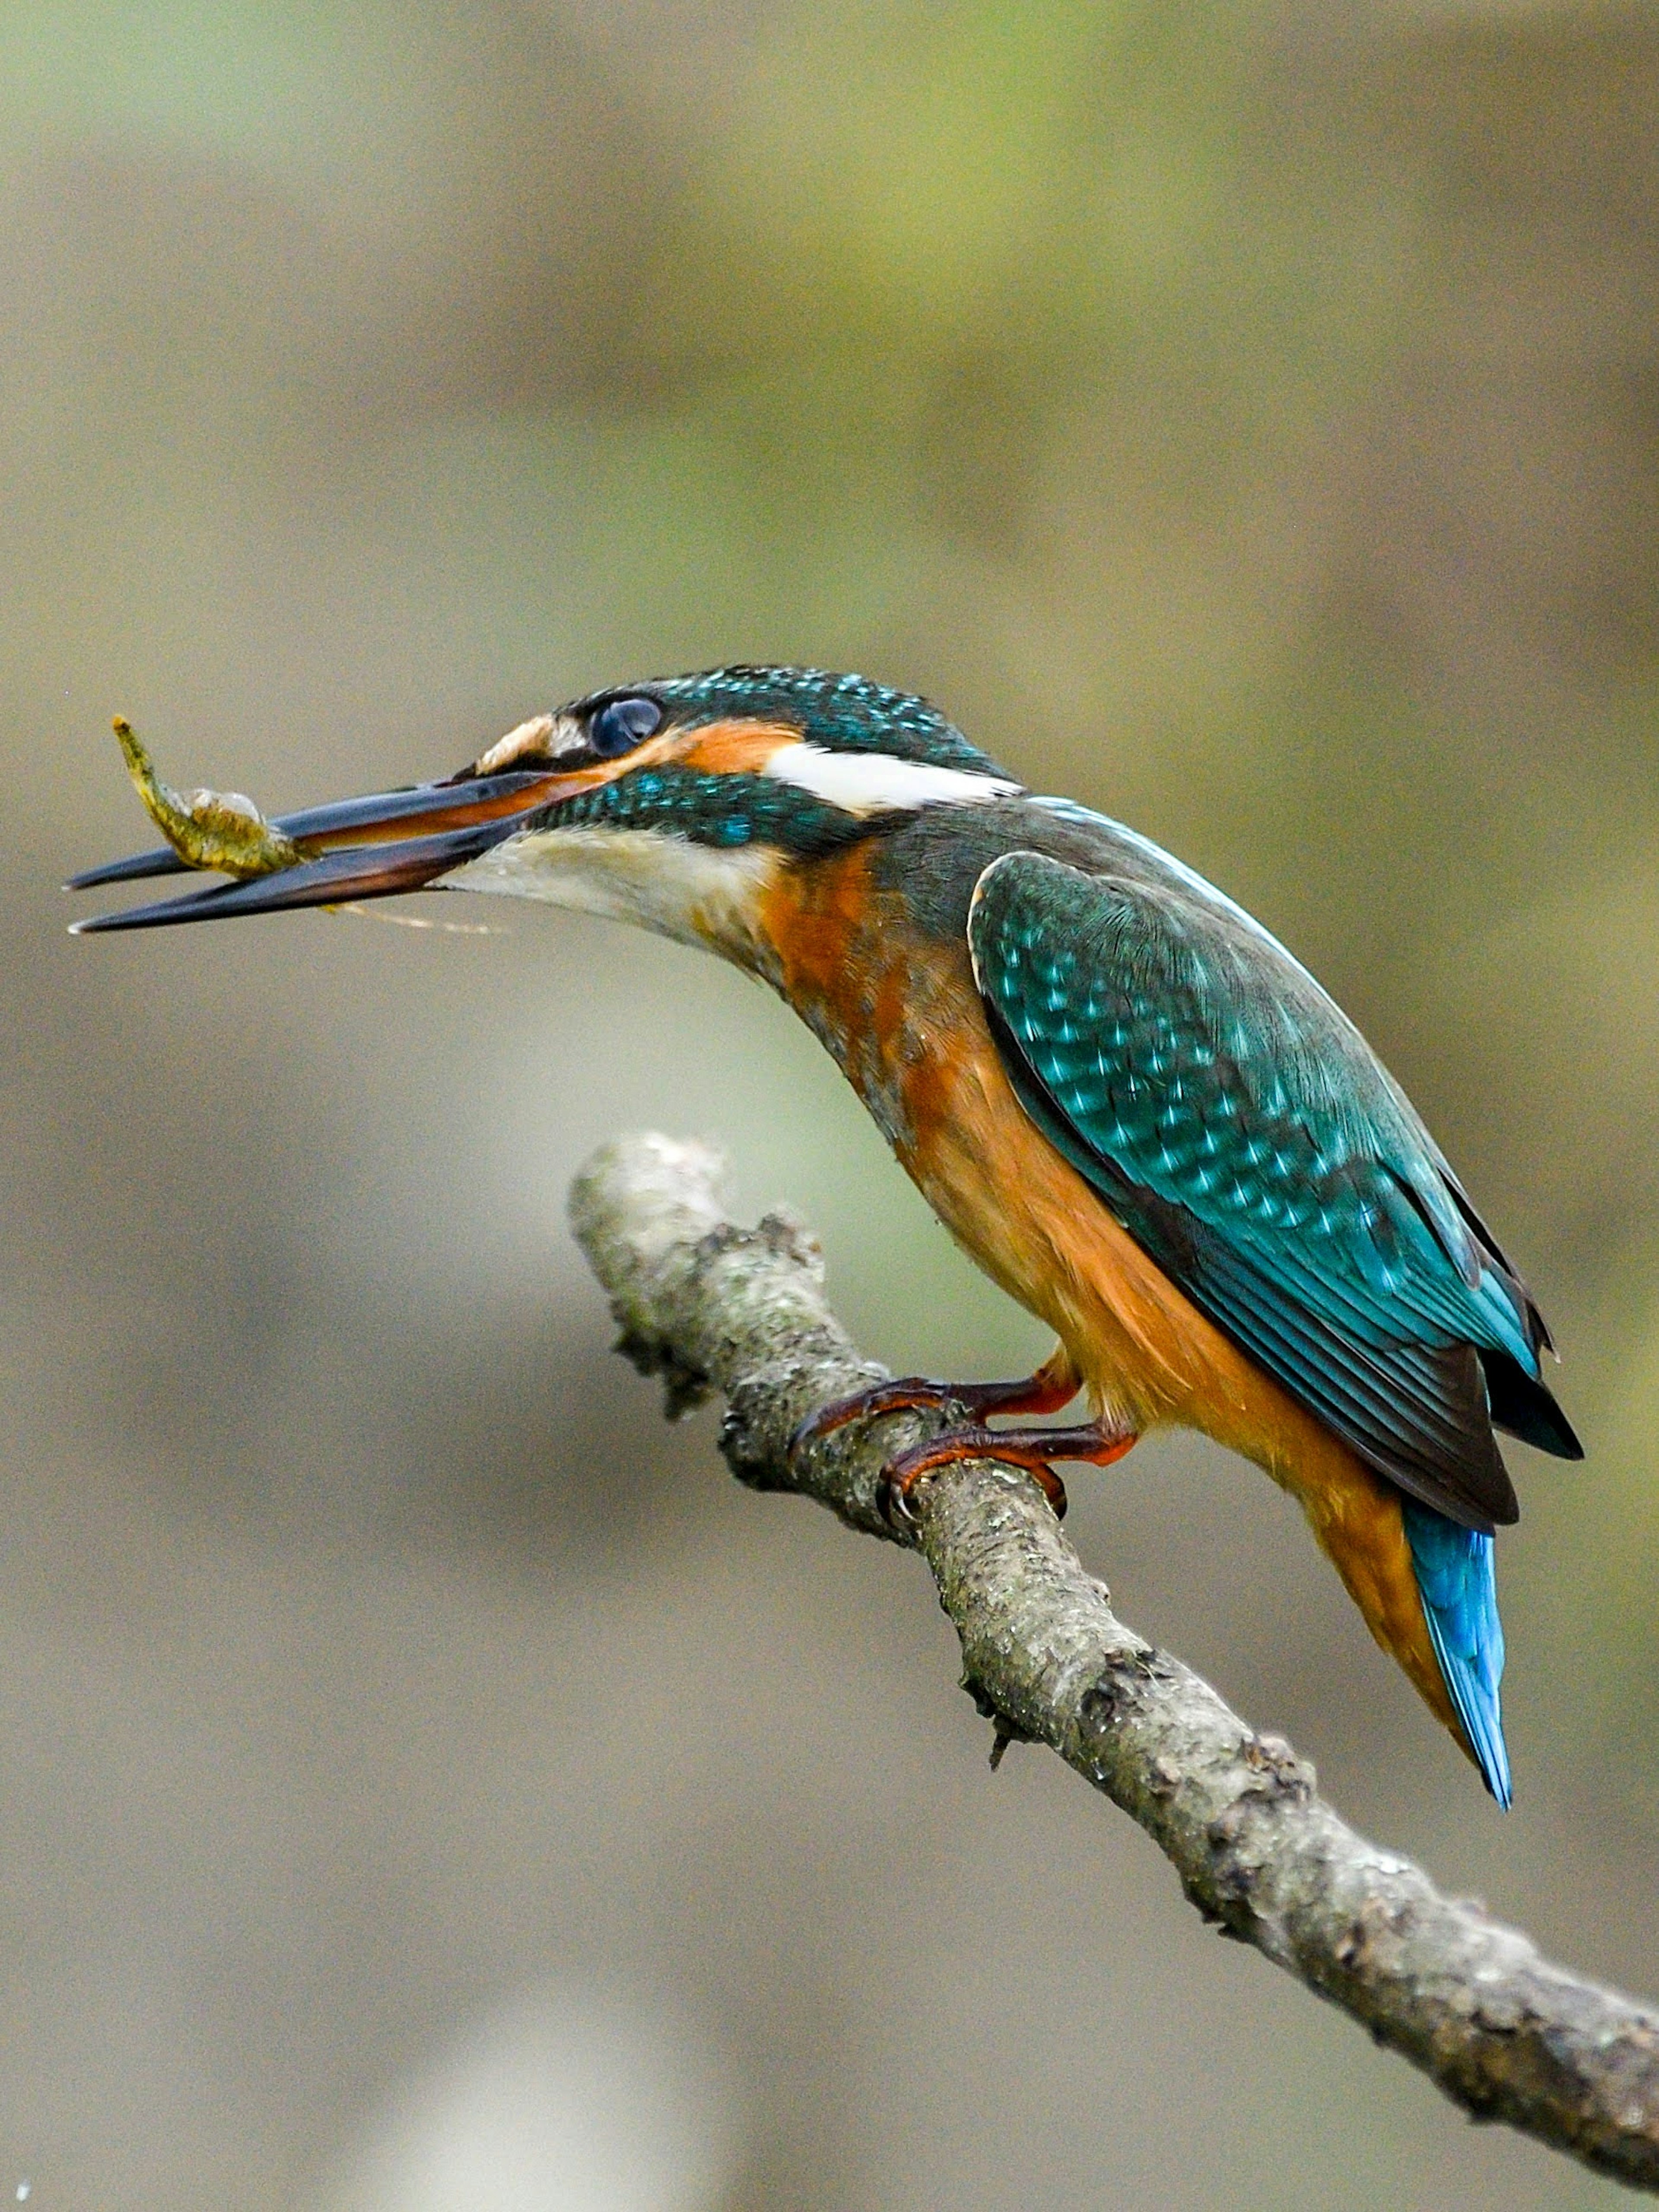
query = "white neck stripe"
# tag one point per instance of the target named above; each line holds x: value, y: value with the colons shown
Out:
x: 879, y: 783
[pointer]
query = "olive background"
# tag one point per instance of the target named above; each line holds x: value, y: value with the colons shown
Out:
x: 427, y: 1782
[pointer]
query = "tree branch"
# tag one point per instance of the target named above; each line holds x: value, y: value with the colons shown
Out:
x: 1502, y: 2030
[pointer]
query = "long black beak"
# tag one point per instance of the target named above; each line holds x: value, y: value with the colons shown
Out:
x: 352, y: 850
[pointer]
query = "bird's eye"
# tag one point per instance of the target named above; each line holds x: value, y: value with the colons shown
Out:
x: 621, y: 725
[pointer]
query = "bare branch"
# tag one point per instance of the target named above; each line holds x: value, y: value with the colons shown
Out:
x: 1502, y: 2030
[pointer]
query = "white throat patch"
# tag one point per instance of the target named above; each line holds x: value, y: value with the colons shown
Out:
x: 879, y: 783
x: 699, y: 893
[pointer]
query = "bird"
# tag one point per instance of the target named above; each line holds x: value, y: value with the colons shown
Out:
x: 1125, y: 1099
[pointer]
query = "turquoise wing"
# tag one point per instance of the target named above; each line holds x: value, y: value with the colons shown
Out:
x: 1244, y: 1133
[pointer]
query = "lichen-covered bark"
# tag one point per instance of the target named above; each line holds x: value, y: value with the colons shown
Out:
x: 1504, y: 2032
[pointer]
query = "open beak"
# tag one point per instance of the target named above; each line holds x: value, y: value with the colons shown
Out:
x: 358, y: 848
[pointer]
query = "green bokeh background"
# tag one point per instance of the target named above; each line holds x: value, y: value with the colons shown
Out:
x: 1244, y: 419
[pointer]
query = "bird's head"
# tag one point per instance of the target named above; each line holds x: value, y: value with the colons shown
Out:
x: 669, y: 803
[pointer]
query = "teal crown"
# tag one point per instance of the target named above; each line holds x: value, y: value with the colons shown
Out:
x: 842, y: 713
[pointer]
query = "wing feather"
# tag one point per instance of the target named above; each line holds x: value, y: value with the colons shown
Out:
x: 1241, y: 1129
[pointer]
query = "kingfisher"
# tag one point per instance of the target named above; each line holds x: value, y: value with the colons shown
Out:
x: 1125, y: 1099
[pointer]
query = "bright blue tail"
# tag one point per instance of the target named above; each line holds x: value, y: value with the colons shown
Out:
x: 1454, y: 1569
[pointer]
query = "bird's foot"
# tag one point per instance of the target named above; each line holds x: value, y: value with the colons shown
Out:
x: 1031, y: 1449
x: 1054, y: 1385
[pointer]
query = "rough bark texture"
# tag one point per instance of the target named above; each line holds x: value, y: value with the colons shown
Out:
x: 1504, y: 2032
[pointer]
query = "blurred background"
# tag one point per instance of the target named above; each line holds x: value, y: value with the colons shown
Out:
x: 427, y: 1783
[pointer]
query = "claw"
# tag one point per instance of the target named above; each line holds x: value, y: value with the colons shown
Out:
x: 1054, y: 1385
x: 902, y: 1395
x: 902, y: 1473
x: 893, y: 1499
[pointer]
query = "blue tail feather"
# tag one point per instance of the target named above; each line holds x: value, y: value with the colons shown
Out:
x: 1453, y: 1570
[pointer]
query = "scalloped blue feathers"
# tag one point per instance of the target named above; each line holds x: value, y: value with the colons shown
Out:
x: 1244, y: 1133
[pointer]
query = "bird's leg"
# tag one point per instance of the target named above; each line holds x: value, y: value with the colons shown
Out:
x: 1055, y: 1384
x: 1096, y: 1441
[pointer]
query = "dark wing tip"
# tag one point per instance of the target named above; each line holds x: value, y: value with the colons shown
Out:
x: 1526, y: 1408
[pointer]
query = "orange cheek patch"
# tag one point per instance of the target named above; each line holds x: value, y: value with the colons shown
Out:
x: 734, y: 748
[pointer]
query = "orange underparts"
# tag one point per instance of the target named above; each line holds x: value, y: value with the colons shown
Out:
x: 902, y: 1014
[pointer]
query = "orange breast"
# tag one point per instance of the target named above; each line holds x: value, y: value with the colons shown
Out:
x: 903, y: 1017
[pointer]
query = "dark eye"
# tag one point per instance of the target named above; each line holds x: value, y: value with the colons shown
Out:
x: 621, y: 724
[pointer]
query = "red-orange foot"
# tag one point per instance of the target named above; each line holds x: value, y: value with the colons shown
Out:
x: 1054, y: 1385
x: 1031, y: 1448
